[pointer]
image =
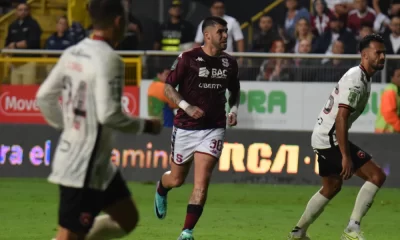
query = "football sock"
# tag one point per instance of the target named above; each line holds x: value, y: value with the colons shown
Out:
x: 192, y: 216
x: 105, y: 228
x: 314, y: 208
x: 364, y: 201
x: 161, y: 189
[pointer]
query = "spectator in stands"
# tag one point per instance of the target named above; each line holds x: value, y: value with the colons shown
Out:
x: 387, y: 7
x: 392, y: 40
x: 334, y: 68
x: 265, y: 36
x: 276, y: 69
x: 302, y: 32
x: 320, y: 18
x: 361, y: 14
x: 176, y: 34
x: 341, y: 8
x: 134, y: 33
x: 62, y: 38
x: 337, y: 31
x: 77, y: 31
x: 305, y: 68
x: 365, y: 29
x: 234, y: 30
x: 388, y: 117
x: 158, y: 104
x: 293, y: 14
x: 25, y: 32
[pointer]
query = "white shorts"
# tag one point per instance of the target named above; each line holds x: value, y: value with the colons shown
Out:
x: 184, y: 143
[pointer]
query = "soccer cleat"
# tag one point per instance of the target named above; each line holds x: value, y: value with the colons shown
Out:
x: 160, y: 205
x: 352, y: 235
x: 186, y: 235
x: 292, y: 237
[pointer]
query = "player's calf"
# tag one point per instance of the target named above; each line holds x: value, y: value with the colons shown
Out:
x: 331, y: 186
x: 375, y: 178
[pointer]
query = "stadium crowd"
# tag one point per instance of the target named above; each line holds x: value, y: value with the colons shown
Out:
x: 331, y: 27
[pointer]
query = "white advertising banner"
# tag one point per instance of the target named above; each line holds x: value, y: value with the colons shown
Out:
x: 286, y: 106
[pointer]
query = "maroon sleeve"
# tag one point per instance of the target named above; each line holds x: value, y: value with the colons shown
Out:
x: 234, y: 83
x: 178, y: 71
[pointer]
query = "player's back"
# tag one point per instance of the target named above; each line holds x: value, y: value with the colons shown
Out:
x: 352, y: 91
x: 85, y: 145
x: 204, y: 84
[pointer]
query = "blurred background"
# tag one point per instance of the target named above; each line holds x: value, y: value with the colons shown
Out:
x: 286, y: 50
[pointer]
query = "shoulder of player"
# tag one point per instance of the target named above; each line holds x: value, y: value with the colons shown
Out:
x: 354, y: 76
x: 228, y: 56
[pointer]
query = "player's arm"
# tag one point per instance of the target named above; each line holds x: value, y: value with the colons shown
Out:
x: 108, y: 94
x: 234, y: 90
x: 349, y: 96
x: 175, y: 77
x: 47, y: 97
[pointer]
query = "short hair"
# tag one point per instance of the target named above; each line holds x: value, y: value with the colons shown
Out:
x: 23, y: 3
x: 212, y: 21
x: 217, y: 1
x: 103, y: 12
x: 364, y: 43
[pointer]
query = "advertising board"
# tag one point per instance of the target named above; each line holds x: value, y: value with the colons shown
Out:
x: 287, y: 106
x: 249, y: 156
x: 18, y: 104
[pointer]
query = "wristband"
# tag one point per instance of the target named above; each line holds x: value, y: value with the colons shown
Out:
x: 184, y: 105
x: 234, y: 110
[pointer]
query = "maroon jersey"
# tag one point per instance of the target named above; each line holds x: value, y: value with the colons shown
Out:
x: 355, y: 19
x: 203, y: 81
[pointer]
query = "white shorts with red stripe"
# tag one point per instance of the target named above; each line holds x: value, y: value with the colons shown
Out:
x: 184, y: 143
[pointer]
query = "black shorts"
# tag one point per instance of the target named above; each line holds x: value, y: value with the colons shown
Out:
x: 79, y: 206
x: 330, y: 159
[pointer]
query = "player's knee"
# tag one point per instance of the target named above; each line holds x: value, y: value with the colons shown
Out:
x: 177, y: 181
x: 378, y: 178
x: 331, y: 190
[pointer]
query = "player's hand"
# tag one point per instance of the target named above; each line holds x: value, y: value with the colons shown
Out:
x: 194, y: 112
x: 232, y: 119
x: 347, y: 168
x: 153, y: 126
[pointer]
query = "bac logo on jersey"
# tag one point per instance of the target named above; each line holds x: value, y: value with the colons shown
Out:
x: 203, y: 72
x: 215, y: 73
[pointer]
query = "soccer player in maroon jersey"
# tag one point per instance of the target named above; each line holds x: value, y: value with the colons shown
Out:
x: 203, y: 75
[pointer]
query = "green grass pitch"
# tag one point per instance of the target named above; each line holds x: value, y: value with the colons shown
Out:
x: 28, y: 209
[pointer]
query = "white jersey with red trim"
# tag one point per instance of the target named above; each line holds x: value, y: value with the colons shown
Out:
x: 89, y: 79
x: 352, y: 91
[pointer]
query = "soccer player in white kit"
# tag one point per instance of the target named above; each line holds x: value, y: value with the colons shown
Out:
x: 89, y: 78
x: 338, y: 158
x: 203, y: 75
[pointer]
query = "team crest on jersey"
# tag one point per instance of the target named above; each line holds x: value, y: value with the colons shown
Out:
x: 361, y: 154
x: 354, y: 95
x: 225, y: 62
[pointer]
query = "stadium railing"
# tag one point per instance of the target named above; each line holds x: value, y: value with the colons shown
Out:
x: 32, y: 66
x: 146, y: 64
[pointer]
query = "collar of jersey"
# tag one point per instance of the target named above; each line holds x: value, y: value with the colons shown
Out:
x: 100, y: 38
